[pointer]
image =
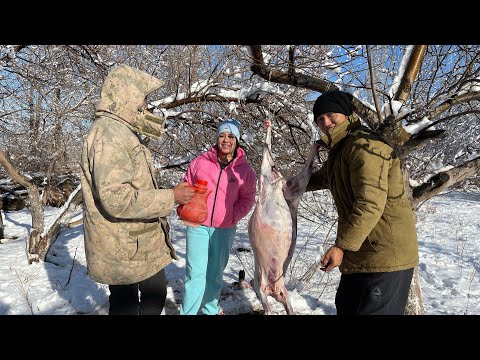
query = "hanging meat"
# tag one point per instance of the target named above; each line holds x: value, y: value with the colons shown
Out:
x: 272, y: 228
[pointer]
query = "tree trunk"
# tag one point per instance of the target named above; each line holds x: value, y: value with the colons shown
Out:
x: 48, y: 177
x: 415, y: 301
x: 34, y: 243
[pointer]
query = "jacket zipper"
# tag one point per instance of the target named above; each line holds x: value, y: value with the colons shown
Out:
x: 215, y: 198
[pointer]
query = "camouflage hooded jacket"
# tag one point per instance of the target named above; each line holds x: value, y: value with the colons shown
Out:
x: 376, y: 226
x: 126, y: 230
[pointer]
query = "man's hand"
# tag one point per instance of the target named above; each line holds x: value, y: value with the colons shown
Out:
x: 183, y: 193
x: 332, y: 258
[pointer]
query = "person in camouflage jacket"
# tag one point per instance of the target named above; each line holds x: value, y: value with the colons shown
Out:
x: 127, y: 243
x: 376, y: 247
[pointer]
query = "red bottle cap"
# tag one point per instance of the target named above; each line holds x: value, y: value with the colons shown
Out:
x: 202, y: 182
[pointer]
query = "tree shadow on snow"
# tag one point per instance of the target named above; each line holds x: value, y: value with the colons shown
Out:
x: 69, y: 278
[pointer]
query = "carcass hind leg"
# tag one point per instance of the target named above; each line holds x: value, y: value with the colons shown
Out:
x: 264, y: 301
x: 288, y: 306
x: 284, y: 299
x: 261, y: 295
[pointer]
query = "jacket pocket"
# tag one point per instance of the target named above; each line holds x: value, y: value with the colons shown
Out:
x: 369, y: 245
x: 140, y: 243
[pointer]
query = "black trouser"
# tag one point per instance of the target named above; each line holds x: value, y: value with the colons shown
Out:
x: 384, y: 293
x: 125, y: 299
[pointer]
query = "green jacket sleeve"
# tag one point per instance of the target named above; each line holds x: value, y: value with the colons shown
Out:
x: 122, y: 195
x: 369, y: 164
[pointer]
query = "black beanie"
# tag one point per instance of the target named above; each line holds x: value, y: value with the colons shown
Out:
x: 333, y: 101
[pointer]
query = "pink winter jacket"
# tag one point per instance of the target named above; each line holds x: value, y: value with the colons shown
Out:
x: 233, y: 188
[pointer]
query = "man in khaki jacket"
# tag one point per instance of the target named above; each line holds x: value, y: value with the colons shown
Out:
x: 376, y: 245
x: 127, y: 241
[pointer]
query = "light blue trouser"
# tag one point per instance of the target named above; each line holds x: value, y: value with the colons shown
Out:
x: 207, y: 250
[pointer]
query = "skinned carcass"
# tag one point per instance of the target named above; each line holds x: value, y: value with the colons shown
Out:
x: 272, y: 228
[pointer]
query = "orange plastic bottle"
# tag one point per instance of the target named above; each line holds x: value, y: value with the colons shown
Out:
x: 195, y: 211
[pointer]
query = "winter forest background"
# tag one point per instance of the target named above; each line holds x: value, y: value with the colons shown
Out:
x: 423, y: 99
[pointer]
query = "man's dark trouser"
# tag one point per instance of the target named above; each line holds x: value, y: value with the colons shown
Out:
x: 384, y: 293
x: 124, y: 299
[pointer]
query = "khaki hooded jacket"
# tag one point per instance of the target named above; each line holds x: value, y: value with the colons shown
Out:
x: 376, y: 225
x: 124, y: 211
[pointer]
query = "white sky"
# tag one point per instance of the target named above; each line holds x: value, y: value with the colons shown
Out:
x: 449, y: 241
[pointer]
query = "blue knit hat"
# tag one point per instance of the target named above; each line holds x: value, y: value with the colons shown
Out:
x: 230, y: 125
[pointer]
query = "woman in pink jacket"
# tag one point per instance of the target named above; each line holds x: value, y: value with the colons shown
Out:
x: 233, y: 184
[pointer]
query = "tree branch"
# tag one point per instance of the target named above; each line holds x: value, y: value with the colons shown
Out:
x: 63, y: 217
x: 305, y: 82
x: 460, y: 99
x: 411, y: 72
x: 16, y: 49
x: 204, y: 98
x: 372, y: 82
x: 441, y: 181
